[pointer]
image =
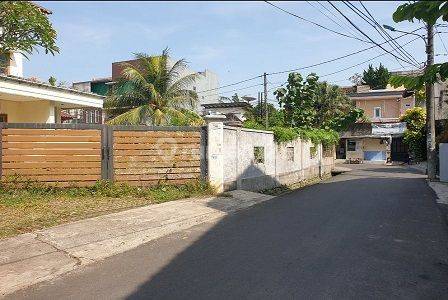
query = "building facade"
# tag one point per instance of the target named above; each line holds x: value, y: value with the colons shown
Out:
x: 380, y: 139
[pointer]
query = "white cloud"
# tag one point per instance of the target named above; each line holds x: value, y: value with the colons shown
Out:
x: 86, y: 33
x: 204, y: 54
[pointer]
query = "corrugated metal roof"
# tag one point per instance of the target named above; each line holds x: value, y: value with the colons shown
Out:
x: 226, y: 105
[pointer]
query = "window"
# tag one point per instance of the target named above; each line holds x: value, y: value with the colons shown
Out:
x: 194, y: 88
x: 3, y: 118
x: 259, y: 155
x: 290, y: 153
x: 351, y: 145
x: 377, y: 112
x: 313, y: 151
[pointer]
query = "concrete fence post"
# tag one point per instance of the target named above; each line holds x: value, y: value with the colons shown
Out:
x: 215, y: 157
x: 320, y: 153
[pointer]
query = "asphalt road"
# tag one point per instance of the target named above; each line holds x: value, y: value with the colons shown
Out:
x: 375, y: 232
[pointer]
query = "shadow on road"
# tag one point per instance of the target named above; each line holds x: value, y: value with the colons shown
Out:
x: 354, y: 237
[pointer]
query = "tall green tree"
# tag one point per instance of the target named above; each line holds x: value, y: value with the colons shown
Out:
x: 311, y: 104
x: 153, y: 92
x: 25, y: 28
x: 429, y: 12
x: 415, y: 134
x: 376, y: 78
x: 335, y: 110
x: 298, y: 99
x: 275, y: 116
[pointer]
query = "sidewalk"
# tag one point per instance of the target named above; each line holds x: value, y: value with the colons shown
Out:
x: 34, y: 257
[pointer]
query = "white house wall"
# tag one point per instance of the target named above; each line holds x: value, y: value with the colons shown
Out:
x: 30, y: 92
x: 29, y: 111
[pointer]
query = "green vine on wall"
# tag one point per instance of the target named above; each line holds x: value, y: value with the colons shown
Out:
x: 326, y: 137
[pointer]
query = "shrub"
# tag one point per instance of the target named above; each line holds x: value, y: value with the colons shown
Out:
x: 415, y: 134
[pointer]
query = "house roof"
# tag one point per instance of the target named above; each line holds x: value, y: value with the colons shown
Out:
x: 15, y: 79
x: 42, y: 9
x: 227, y: 105
x: 377, y: 93
x: 358, y: 129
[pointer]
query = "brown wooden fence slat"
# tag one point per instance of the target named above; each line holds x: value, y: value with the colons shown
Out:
x: 174, y: 151
x: 50, y: 145
x: 50, y: 132
x: 156, y: 134
x: 167, y: 164
x: 154, y: 146
x: 61, y: 158
x: 52, y: 151
x: 155, y: 158
x: 48, y: 138
x: 51, y: 171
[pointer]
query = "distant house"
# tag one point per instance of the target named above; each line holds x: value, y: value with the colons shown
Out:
x: 234, y: 111
x: 27, y: 100
x: 381, y: 138
x: 206, y: 84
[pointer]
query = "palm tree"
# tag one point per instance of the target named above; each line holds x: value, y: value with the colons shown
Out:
x: 153, y: 93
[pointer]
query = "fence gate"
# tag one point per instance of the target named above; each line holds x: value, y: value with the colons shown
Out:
x: 62, y: 154
x: 81, y: 154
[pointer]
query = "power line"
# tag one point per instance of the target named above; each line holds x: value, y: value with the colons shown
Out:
x: 309, y: 66
x: 353, y: 8
x: 443, y: 43
x: 406, y: 53
x: 372, y: 22
x: 361, y: 63
x: 352, y: 66
x: 235, y: 90
x: 337, y: 18
x: 231, y: 84
x: 314, y: 23
x: 336, y: 58
x: 363, y: 33
x: 324, y: 14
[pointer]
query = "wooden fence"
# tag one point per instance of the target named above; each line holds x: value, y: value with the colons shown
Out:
x: 81, y: 154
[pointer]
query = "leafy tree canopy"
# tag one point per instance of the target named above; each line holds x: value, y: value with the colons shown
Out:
x: 153, y: 92
x: 415, y: 134
x: 25, y: 28
x: 275, y: 116
x: 376, y: 78
x: 428, y: 12
x: 312, y: 104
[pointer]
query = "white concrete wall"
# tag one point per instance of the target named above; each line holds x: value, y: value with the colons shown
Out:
x: 243, y: 172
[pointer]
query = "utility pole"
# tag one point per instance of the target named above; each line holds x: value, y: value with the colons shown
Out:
x: 265, y: 84
x: 430, y: 115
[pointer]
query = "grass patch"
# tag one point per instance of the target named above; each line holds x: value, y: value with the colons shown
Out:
x: 283, y: 189
x: 36, y: 206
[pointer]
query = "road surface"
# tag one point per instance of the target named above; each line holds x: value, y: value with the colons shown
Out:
x: 375, y: 232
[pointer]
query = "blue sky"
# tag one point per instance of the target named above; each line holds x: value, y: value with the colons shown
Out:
x: 236, y: 40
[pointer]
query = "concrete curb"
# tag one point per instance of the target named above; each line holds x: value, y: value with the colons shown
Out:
x: 31, y: 258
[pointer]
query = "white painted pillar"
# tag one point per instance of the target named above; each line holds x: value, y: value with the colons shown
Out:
x: 215, y: 157
x: 51, y: 113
